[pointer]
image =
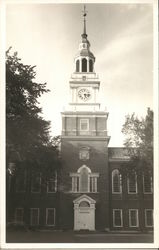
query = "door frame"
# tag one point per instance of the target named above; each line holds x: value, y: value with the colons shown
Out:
x: 90, y: 210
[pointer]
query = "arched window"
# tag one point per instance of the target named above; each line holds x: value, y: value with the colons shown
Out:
x: 84, y: 204
x: 77, y: 66
x: 132, y: 183
x: 90, y: 66
x: 84, y: 180
x: 116, y: 181
x: 84, y: 65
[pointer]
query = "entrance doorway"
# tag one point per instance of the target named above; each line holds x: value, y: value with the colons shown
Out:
x: 84, y: 213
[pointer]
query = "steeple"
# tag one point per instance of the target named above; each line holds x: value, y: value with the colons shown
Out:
x: 84, y: 35
x: 84, y: 59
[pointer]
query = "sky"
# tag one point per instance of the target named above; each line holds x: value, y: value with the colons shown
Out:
x: 121, y: 37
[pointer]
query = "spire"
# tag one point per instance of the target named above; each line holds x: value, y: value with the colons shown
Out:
x: 84, y: 35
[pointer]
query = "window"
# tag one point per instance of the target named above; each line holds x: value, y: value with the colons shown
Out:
x: 84, y: 204
x: 117, y: 218
x: 84, y: 154
x: 133, y: 218
x: 75, y: 184
x: 52, y: 184
x: 147, y: 183
x: 132, y: 183
x: 50, y: 216
x: 148, y: 217
x: 116, y: 182
x: 36, y: 183
x: 19, y: 213
x: 84, y: 180
x: 84, y: 65
x: 20, y: 181
x: 93, y: 184
x: 34, y: 216
x: 90, y: 66
x: 77, y: 66
x: 84, y: 124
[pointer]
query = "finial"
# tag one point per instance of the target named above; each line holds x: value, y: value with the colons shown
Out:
x: 84, y: 19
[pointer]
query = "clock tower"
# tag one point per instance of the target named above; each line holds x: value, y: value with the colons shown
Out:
x: 84, y: 151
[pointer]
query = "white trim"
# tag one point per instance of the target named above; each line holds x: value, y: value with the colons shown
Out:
x: 31, y: 216
x: 86, y: 122
x: 82, y: 167
x: 136, y: 188
x: 76, y: 180
x: 121, y: 217
x: 47, y: 209
x: 144, y: 185
x: 93, y: 114
x: 136, y: 217
x: 39, y: 183
x: 54, y: 181
x: 120, y: 181
x: 146, y: 217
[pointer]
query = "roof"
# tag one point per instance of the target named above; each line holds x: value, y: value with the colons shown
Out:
x: 85, y: 52
x: 118, y: 153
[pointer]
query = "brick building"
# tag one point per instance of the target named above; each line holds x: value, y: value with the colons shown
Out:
x: 94, y: 193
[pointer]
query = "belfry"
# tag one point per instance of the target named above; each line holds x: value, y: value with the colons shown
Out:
x: 84, y: 147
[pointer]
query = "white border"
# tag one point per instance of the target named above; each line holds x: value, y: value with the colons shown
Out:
x: 2, y: 131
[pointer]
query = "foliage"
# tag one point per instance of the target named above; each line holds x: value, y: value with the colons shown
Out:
x: 139, y: 139
x: 28, y: 138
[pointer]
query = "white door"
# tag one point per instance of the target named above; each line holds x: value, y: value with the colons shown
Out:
x: 84, y: 219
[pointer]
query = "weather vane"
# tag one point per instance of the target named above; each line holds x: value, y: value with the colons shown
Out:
x: 84, y: 11
x: 84, y: 19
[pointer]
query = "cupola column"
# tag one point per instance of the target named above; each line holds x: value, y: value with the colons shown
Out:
x: 87, y: 64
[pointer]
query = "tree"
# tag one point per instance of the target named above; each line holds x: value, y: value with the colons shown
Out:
x: 27, y: 138
x: 139, y: 140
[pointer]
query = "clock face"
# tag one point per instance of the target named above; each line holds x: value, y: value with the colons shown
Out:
x: 84, y: 94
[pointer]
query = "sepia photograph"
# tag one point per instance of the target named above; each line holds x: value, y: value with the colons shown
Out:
x: 80, y: 106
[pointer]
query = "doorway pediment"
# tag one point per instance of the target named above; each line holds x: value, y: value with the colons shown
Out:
x: 84, y: 197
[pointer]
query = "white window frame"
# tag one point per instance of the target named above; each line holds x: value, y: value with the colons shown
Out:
x: 36, y: 192
x: 93, y: 183
x: 55, y: 183
x: 121, y: 216
x: 75, y: 179
x: 22, y: 209
x: 120, y: 179
x: 31, y: 209
x: 137, y: 218
x: 47, y: 209
x: 76, y: 187
x: 144, y: 185
x: 146, y: 218
x: 128, y: 186
x: 86, y: 121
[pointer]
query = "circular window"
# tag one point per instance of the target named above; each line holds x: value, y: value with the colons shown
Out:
x: 84, y: 204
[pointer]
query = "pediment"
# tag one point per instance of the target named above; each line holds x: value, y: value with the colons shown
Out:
x: 84, y: 197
